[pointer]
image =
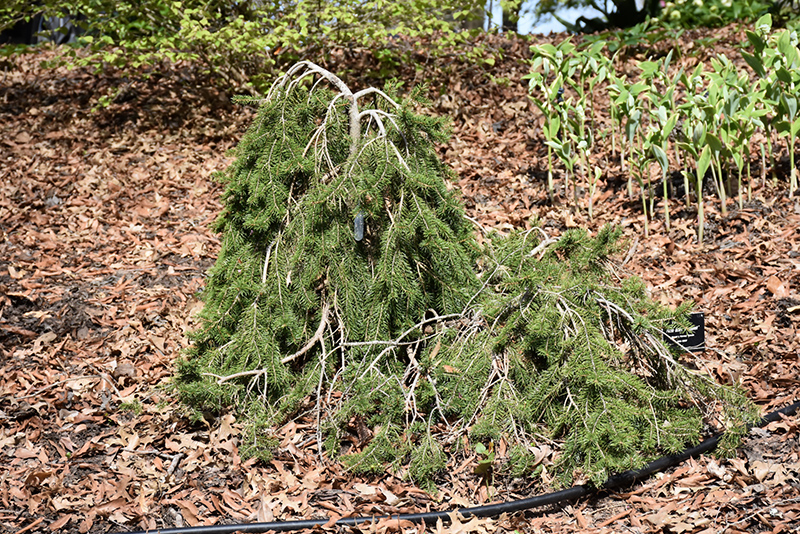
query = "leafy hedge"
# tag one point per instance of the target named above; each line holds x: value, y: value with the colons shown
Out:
x: 240, y: 43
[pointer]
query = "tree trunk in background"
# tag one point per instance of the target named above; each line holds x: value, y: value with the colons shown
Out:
x: 511, y: 17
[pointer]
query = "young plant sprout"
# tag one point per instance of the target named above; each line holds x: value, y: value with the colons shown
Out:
x: 720, y: 109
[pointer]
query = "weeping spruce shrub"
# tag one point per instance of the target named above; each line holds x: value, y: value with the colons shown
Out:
x: 351, y: 286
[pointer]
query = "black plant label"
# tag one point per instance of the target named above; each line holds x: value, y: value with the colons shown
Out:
x: 692, y: 341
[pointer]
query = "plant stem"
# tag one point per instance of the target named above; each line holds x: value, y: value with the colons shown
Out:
x: 701, y: 220
x: 666, y: 199
x: 741, y: 193
x: 772, y: 160
x: 792, y: 171
x: 644, y: 208
x: 723, y: 195
x: 550, y: 191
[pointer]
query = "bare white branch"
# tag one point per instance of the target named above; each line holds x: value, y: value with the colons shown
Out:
x: 370, y: 90
x: 317, y: 337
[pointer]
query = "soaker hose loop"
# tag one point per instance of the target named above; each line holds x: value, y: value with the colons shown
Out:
x: 429, y: 518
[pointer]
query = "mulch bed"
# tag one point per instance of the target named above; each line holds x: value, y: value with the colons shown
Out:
x: 104, y: 214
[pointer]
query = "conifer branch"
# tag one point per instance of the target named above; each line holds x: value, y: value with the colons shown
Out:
x: 397, y: 342
x: 258, y: 372
x: 656, y: 346
x: 477, y: 224
x: 386, y: 143
x: 541, y: 247
x: 370, y: 90
x: 375, y: 114
x: 222, y: 379
x: 266, y: 263
x: 438, y: 398
x: 410, y: 393
x: 323, y: 323
x: 303, y: 69
x: 496, y: 376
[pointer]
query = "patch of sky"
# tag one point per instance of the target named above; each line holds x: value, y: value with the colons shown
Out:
x: 528, y: 24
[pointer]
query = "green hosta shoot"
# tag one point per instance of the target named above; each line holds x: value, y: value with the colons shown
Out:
x: 566, y: 131
x: 583, y: 139
x: 643, y: 157
x: 789, y: 127
x: 594, y: 178
x: 720, y: 108
x: 746, y: 112
x: 695, y: 145
x: 663, y: 120
x: 632, y: 122
x: 549, y: 105
x: 626, y: 111
x: 563, y: 148
x: 703, y: 162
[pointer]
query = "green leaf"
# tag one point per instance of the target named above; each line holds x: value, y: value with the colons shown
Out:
x: 738, y: 159
x: 557, y: 84
x: 637, y: 88
x: 764, y: 24
x: 649, y: 68
x: 703, y: 163
x: 755, y: 40
x: 661, y: 157
x: 667, y: 61
x: 690, y: 148
x: 545, y: 49
x: 791, y: 105
x: 661, y: 114
x: 699, y: 134
x: 484, y: 466
x: 786, y: 48
x: 553, y: 125
x: 632, y: 124
x: 670, y: 125
x: 596, y: 48
x: 714, y: 142
x: 783, y: 128
x: 784, y: 75
x: 602, y: 74
x: 555, y: 145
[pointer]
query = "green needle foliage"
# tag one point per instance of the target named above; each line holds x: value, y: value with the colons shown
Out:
x: 291, y: 269
x: 582, y: 356
x: 351, y: 286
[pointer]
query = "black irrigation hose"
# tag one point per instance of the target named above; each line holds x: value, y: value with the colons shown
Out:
x: 491, y: 510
